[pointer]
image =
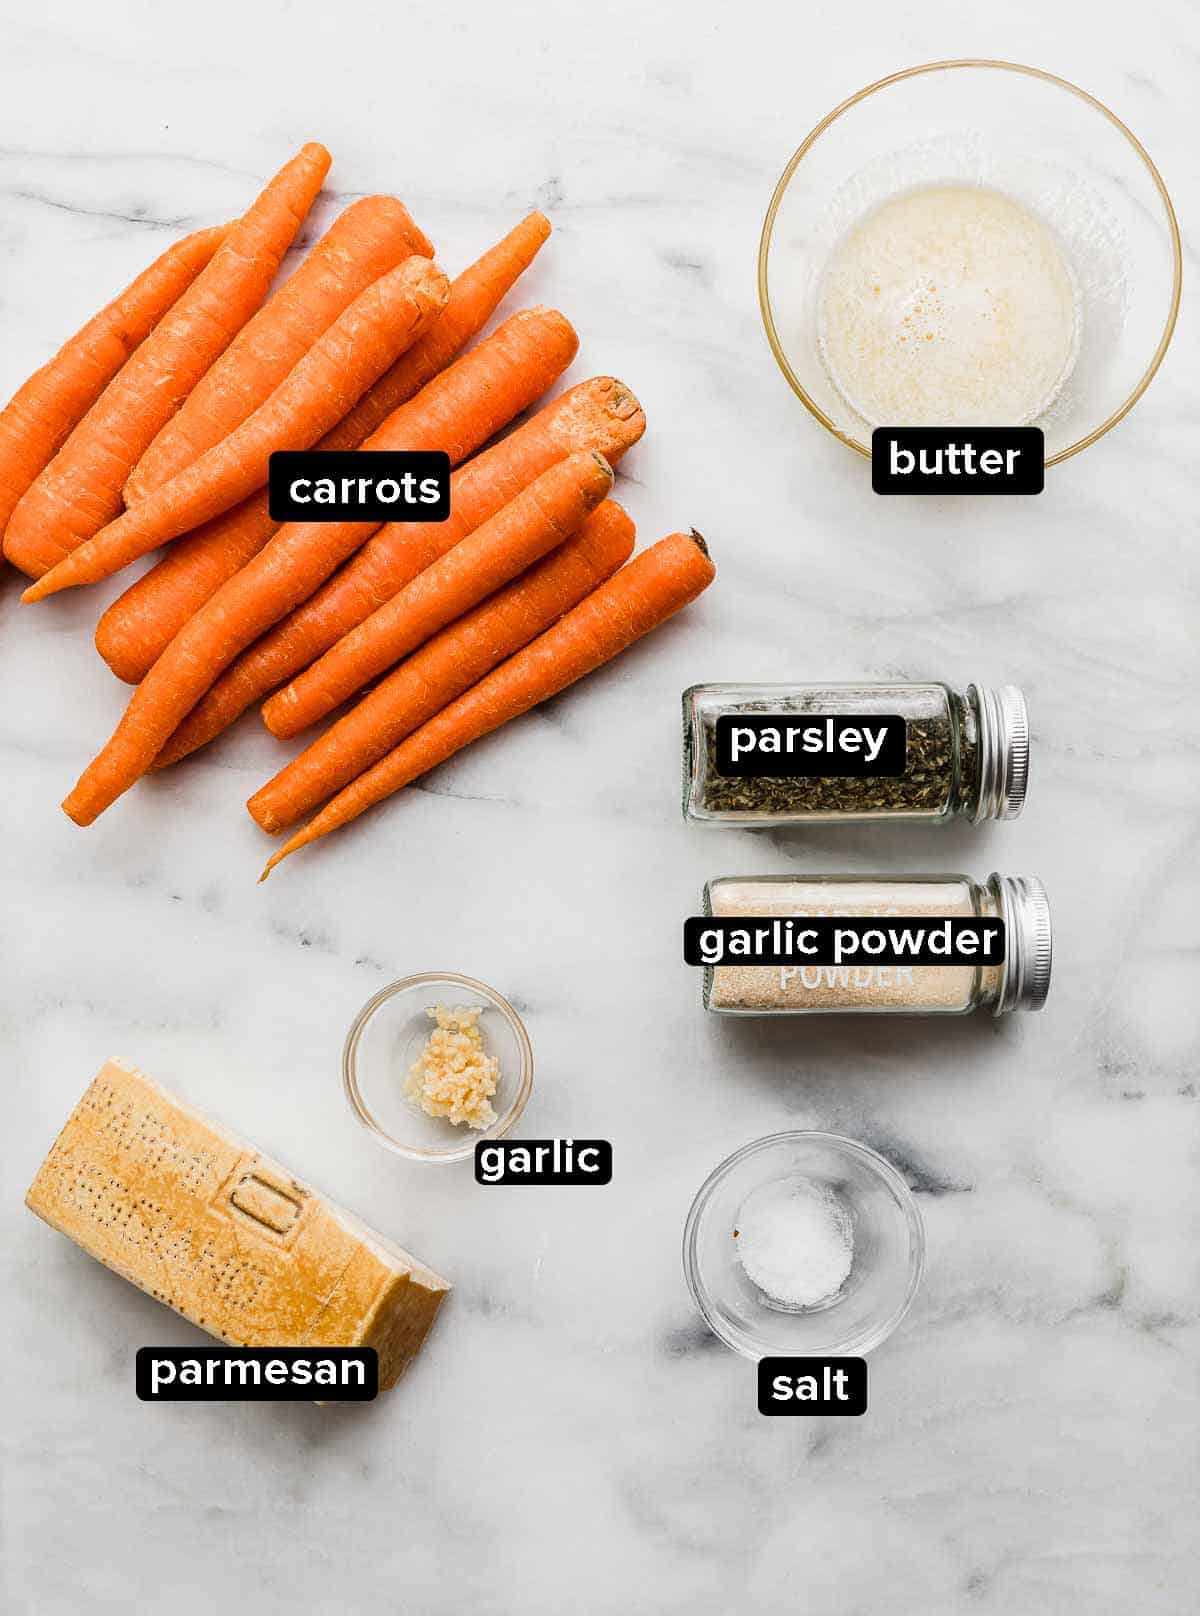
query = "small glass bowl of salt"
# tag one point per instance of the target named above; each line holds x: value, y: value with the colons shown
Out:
x: 804, y: 1244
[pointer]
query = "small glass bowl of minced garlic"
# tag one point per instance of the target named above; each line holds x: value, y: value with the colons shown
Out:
x: 804, y: 1244
x: 436, y: 1062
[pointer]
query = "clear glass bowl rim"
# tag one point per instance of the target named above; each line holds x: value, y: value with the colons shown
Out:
x: 877, y: 1163
x: 350, y: 1067
x: 806, y: 145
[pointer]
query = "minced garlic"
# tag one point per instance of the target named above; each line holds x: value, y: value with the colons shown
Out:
x: 454, y: 1078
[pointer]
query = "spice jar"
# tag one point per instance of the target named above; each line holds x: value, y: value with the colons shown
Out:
x: 1020, y: 982
x: 954, y: 753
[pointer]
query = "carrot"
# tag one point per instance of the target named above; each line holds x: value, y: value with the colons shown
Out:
x: 365, y: 241
x: 39, y: 416
x: 137, y: 627
x: 540, y: 517
x: 340, y: 365
x: 648, y: 590
x: 450, y: 663
x: 455, y: 413
x: 506, y: 372
x: 600, y: 414
x: 80, y: 490
x: 474, y: 297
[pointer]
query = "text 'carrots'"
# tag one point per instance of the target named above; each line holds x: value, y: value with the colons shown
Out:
x: 365, y: 241
x: 343, y: 362
x: 79, y: 492
x: 40, y: 415
x: 141, y: 623
x: 447, y: 665
x: 541, y: 516
x: 600, y: 414
x: 651, y: 588
x: 456, y: 412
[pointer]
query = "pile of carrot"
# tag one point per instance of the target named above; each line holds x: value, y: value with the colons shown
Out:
x: 154, y: 425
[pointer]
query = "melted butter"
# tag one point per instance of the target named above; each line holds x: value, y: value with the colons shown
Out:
x: 949, y: 306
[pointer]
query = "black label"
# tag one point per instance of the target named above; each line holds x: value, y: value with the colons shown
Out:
x: 257, y: 1374
x: 543, y: 1161
x: 843, y: 940
x: 812, y: 1386
x: 359, y: 485
x: 754, y: 744
x: 958, y: 460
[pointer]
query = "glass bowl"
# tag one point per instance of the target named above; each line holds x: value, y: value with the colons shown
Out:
x: 1032, y: 136
x: 388, y: 1035
x: 889, y: 1249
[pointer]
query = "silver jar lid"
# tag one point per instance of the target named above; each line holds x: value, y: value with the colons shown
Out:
x: 1028, y: 942
x: 1003, y: 722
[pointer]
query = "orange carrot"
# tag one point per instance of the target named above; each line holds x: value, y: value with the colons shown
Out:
x: 455, y: 413
x: 645, y: 592
x: 474, y: 297
x: 506, y: 372
x: 600, y: 414
x: 450, y: 663
x: 541, y: 517
x: 365, y: 241
x: 138, y: 626
x: 39, y: 416
x: 80, y: 490
x: 342, y: 363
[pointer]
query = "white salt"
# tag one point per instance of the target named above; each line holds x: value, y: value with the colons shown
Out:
x: 795, y: 1241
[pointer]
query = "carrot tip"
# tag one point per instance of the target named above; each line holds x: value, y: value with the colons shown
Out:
x: 276, y: 858
x: 37, y: 591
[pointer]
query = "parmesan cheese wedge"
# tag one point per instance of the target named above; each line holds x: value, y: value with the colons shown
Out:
x: 193, y: 1216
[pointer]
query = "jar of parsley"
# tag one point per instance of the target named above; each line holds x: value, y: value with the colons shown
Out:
x: 769, y: 754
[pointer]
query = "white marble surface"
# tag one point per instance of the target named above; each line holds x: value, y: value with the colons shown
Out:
x: 572, y: 1437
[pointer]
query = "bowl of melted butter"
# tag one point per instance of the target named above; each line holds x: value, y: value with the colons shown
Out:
x: 970, y: 243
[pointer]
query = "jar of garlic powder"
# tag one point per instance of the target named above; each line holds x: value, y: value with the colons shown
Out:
x: 1020, y: 982
x: 921, y: 752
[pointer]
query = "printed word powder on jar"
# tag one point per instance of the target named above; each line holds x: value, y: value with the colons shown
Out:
x: 949, y: 305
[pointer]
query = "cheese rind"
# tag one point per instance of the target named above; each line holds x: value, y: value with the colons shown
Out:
x: 221, y: 1233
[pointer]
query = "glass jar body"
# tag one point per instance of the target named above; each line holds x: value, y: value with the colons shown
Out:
x: 803, y: 989
x: 941, y: 774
